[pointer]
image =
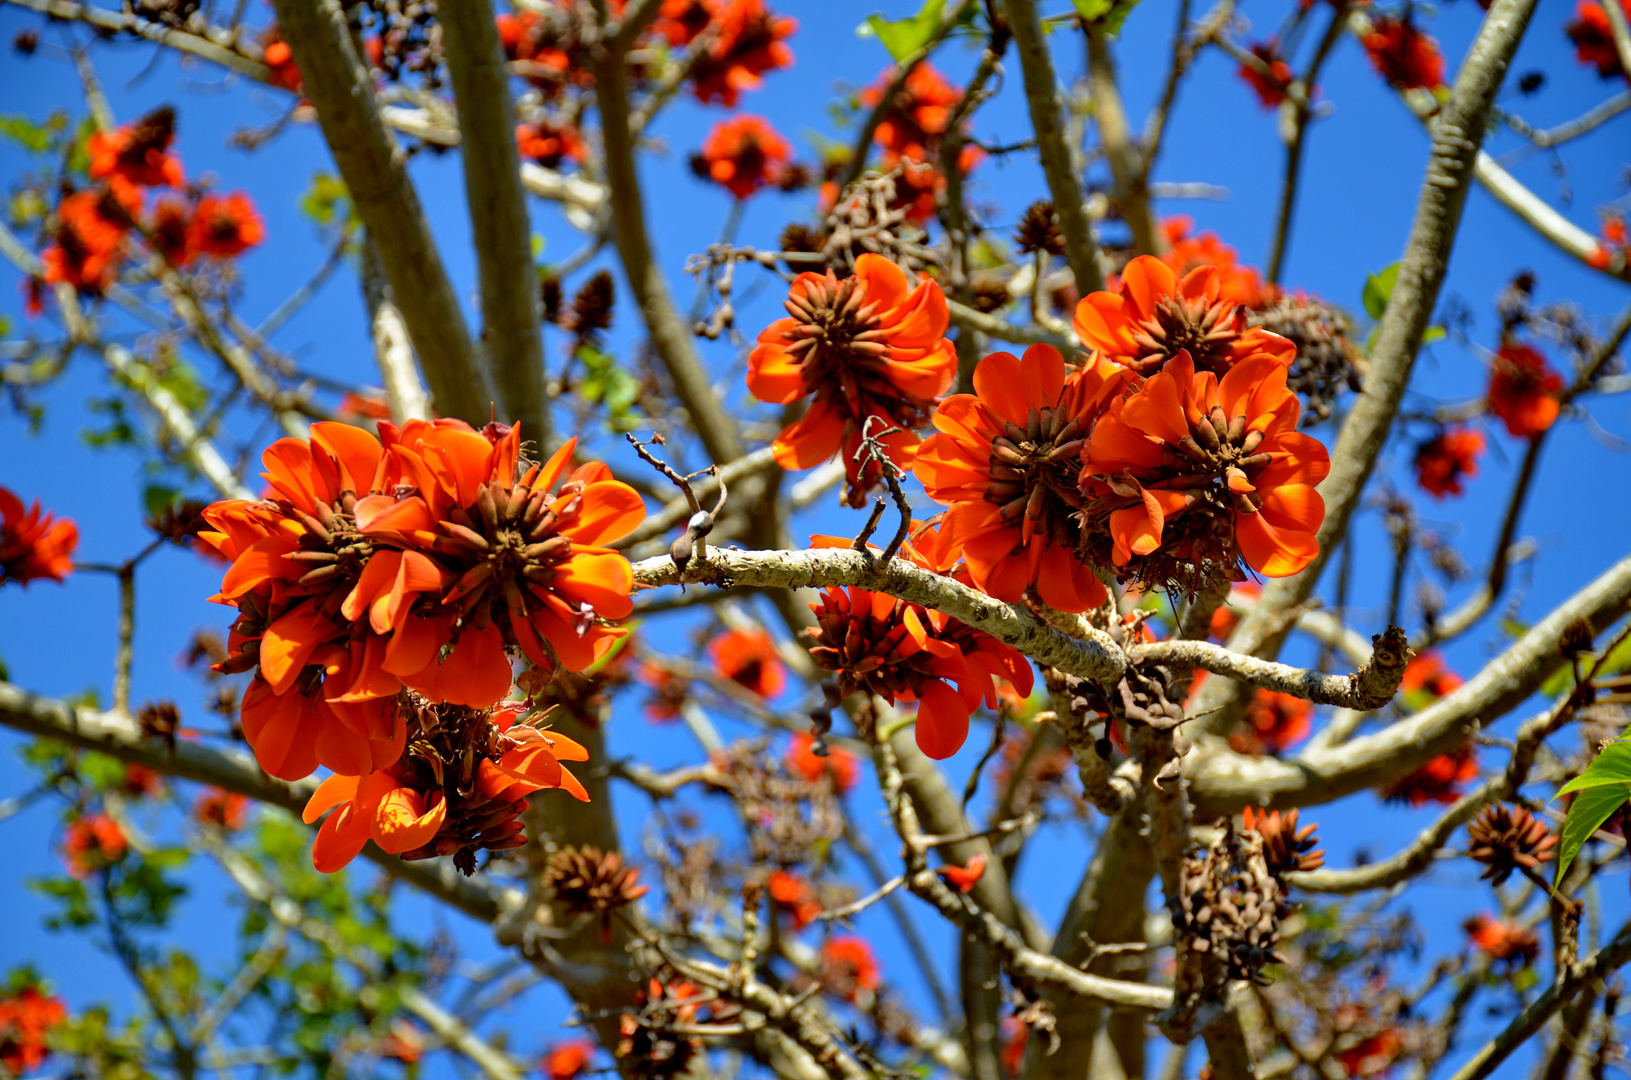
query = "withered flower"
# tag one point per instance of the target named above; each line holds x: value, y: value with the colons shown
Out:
x: 1038, y: 230
x: 588, y: 880
x: 1508, y: 838
x: 1285, y: 847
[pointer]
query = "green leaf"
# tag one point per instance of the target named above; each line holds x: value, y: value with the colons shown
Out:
x: 1379, y: 288
x: 903, y: 37
x: 156, y: 499
x: 1432, y: 334
x: 79, y: 159
x: 35, y: 138
x: 326, y: 199
x: 1109, y: 14
x: 1612, y: 766
x: 1587, y: 813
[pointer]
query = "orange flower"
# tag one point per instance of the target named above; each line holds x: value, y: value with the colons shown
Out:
x: 839, y: 765
x: 1006, y: 459
x: 1407, y: 58
x: 682, y: 21
x: 33, y: 545
x: 749, y: 658
x: 138, y: 154
x: 744, y: 153
x: 918, y: 115
x: 1237, y: 282
x: 1273, y: 722
x: 1524, y: 390
x: 460, y: 788
x: 279, y: 57
x: 367, y: 404
x: 1444, y: 459
x: 1192, y: 475
x: 87, y: 244
x: 792, y: 894
x: 1612, y: 243
x: 1437, y: 781
x: 1593, y: 36
x: 27, y: 1017
x: 1373, y: 1055
x: 1227, y: 615
x: 1427, y: 678
x: 1505, y: 942
x: 668, y: 691
x: 404, y: 1042
x: 549, y: 144
x: 225, y: 226
x: 170, y: 232
x: 141, y: 782
x: 749, y: 44
x: 92, y: 842
x: 1156, y: 315
x: 1015, y: 1035
x: 903, y: 652
x: 223, y: 809
x: 867, y: 346
x: 849, y: 969
x: 567, y: 1060
x: 964, y: 878
x: 1271, y: 88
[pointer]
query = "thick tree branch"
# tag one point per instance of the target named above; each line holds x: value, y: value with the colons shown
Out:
x: 1048, y: 121
x: 1371, y: 687
x: 511, y: 333
x: 120, y: 737
x: 376, y: 177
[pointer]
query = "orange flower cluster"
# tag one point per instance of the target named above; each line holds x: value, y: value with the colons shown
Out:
x: 1505, y: 942
x: 749, y: 42
x: 749, y: 659
x: 903, y: 652
x: 867, y: 347
x: 1427, y: 678
x: 1273, y: 722
x: 223, y: 809
x: 839, y: 766
x: 1524, y: 391
x: 33, y: 544
x: 964, y: 878
x: 1446, y: 458
x: 849, y: 970
x: 1187, y: 250
x: 277, y: 56
x: 744, y: 153
x: 1593, y: 36
x: 1407, y: 58
x: 1613, y: 244
x: 1227, y: 616
x: 567, y: 1060
x: 550, y: 144
x: 92, y: 842
x: 89, y: 239
x: 1270, y: 88
x: 792, y: 894
x: 27, y: 1017
x: 417, y: 563
x: 1438, y: 781
x: 910, y: 134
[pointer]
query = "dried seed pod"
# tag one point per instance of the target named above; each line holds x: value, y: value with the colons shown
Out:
x: 1038, y: 230
x: 1327, y: 359
x: 1507, y: 838
x: 587, y: 880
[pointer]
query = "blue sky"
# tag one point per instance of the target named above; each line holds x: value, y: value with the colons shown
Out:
x: 1363, y: 173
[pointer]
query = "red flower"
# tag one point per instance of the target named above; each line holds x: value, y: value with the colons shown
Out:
x: 1373, y: 1055
x: 849, y: 969
x: 1443, y: 460
x: 1192, y: 475
x: 1407, y: 58
x: 1426, y: 679
x: 280, y: 58
x: 839, y: 765
x: 141, y: 782
x: 1237, y: 282
x: 1273, y: 722
x: 749, y: 658
x: 749, y: 44
x: 170, y: 232
x: 223, y: 809
x: 549, y: 143
x: 964, y: 878
x: 225, y: 225
x: 1227, y: 615
x: 567, y: 1060
x: 1270, y: 88
x: 1593, y: 37
x: 138, y: 154
x: 668, y: 691
x: 87, y: 244
x: 1505, y: 942
x: 903, y: 652
x: 744, y: 153
x: 27, y: 1017
x: 1612, y: 243
x: 1437, y: 781
x: 682, y: 21
x: 1524, y: 391
x: 1007, y: 461
x: 918, y: 115
x: 1015, y: 1035
x: 792, y: 894
x: 92, y: 842
x: 33, y: 545
x: 869, y: 346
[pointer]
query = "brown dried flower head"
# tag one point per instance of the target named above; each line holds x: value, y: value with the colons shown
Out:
x: 1327, y: 359
x: 1507, y: 838
x: 586, y: 879
x: 1038, y: 230
x: 1285, y: 847
x: 160, y: 720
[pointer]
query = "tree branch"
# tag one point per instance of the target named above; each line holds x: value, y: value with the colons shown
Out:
x: 376, y: 177
x: 1371, y: 687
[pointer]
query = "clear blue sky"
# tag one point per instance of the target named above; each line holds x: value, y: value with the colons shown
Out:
x: 1363, y: 172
